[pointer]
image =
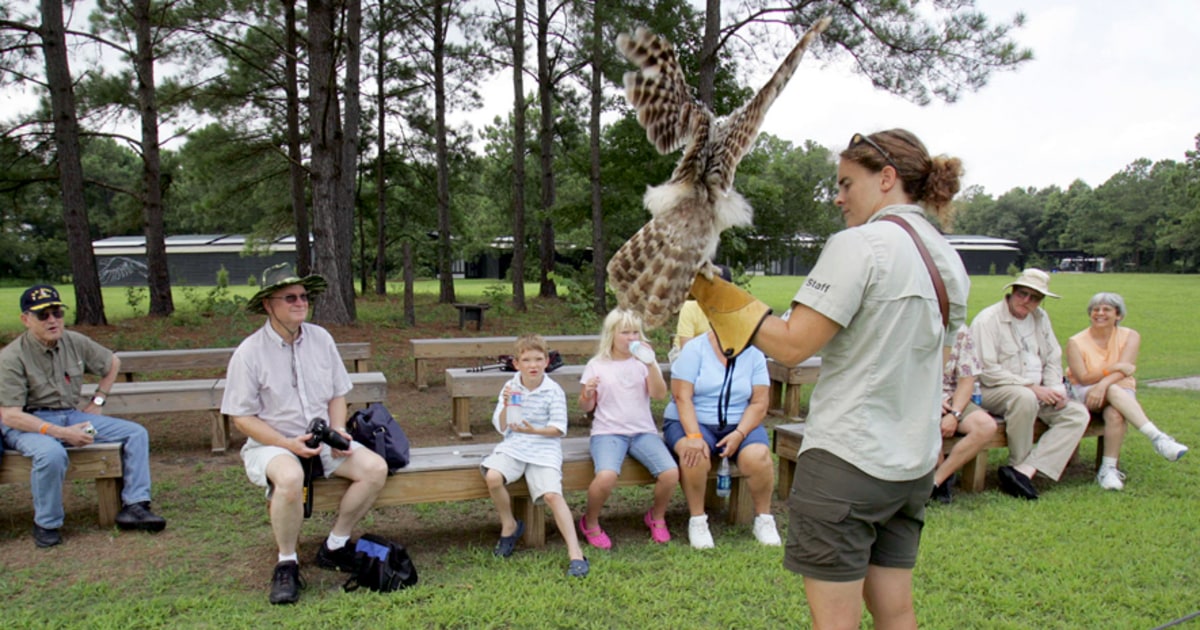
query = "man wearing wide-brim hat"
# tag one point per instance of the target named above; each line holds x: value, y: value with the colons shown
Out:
x: 280, y: 379
x: 1022, y: 380
x: 41, y: 379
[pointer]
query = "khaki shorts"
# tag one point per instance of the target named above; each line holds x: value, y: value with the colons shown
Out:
x: 540, y: 479
x: 842, y: 519
x: 257, y: 456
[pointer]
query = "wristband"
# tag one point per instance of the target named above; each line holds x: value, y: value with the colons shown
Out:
x: 699, y: 436
x: 1105, y: 372
x: 45, y: 428
x: 739, y: 432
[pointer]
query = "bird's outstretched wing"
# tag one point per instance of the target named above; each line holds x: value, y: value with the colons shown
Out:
x: 735, y: 135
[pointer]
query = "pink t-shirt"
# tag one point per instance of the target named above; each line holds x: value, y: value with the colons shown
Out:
x: 622, y: 398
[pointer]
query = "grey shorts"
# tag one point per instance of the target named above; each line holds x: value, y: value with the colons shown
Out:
x: 540, y: 479
x: 841, y: 519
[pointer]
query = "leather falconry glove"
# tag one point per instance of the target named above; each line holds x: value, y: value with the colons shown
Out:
x: 733, y: 313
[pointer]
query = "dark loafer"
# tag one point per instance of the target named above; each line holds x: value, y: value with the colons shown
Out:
x: 507, y: 544
x: 1013, y: 483
x: 43, y: 537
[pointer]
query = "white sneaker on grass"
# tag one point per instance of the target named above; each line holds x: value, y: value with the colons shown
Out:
x: 698, y: 534
x: 1166, y: 446
x: 1110, y: 478
x: 765, y: 531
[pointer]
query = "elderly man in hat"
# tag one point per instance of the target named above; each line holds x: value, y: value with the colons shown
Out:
x: 1022, y: 380
x: 41, y: 375
x: 280, y: 379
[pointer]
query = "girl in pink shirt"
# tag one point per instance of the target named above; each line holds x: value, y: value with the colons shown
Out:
x: 617, y: 388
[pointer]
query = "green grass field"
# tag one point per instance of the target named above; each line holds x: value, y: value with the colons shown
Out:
x: 1078, y: 558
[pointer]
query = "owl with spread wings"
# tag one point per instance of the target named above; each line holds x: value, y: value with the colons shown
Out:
x: 654, y: 269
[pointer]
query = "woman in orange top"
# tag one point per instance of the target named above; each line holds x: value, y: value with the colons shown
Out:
x: 1101, y: 361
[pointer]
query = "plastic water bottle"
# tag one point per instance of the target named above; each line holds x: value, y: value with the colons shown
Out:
x: 723, y: 481
x: 977, y: 395
x: 513, y: 413
x: 644, y: 353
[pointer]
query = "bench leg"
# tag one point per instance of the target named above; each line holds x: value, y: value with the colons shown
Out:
x: 535, y: 521
x: 791, y: 401
x: 220, y: 432
x: 108, y: 495
x: 462, y: 418
x: 422, y: 378
x: 784, y: 476
x: 974, y: 472
x: 775, y: 398
x: 741, y: 505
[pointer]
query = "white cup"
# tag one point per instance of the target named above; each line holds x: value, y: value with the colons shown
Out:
x: 643, y: 352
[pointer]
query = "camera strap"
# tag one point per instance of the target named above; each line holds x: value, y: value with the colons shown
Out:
x: 308, y: 464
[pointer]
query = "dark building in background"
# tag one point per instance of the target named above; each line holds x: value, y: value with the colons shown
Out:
x: 193, y: 259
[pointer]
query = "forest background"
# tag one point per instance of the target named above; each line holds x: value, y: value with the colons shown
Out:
x: 331, y: 119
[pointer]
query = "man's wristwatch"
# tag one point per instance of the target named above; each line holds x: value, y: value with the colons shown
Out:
x: 957, y: 414
x: 100, y: 398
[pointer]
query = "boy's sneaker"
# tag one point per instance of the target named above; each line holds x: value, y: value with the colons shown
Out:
x: 286, y: 583
x: 1110, y: 478
x: 698, y: 534
x: 765, y: 531
x: 1166, y: 446
x: 337, y: 559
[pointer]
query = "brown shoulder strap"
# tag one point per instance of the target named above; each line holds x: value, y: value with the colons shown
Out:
x: 938, y: 285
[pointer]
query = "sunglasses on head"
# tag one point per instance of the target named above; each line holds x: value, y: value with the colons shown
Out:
x: 47, y: 313
x: 292, y: 298
x: 859, y: 138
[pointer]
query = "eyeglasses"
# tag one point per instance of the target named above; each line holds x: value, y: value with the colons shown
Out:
x: 858, y: 138
x: 1028, y: 295
x: 291, y: 298
x: 47, y: 313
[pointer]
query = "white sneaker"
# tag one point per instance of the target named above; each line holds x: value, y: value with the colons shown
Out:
x: 765, y: 532
x: 1166, y: 446
x: 698, y: 534
x: 1110, y: 478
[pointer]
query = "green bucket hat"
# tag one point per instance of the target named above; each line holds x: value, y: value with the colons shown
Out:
x: 279, y: 276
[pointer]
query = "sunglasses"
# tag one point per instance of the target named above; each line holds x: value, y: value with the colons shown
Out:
x: 292, y: 298
x: 1028, y: 295
x: 47, y: 313
x: 858, y: 139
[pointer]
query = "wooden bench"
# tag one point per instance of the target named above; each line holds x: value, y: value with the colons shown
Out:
x: 788, y: 437
x: 205, y: 395
x: 99, y: 462
x: 471, y: 313
x: 463, y: 385
x: 451, y: 473
x: 356, y: 355
x: 786, y: 383
x: 487, y: 349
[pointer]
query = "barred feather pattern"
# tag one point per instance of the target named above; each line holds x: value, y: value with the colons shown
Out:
x: 653, y: 271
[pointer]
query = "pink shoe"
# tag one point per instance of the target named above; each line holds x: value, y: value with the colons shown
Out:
x: 658, y: 529
x: 595, y: 537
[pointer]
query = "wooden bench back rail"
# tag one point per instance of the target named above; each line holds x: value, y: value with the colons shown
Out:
x: 464, y: 385
x: 205, y: 395
x: 451, y: 473
x: 357, y: 356
x: 788, y: 437
x: 99, y: 462
x: 486, y: 349
x: 786, y: 382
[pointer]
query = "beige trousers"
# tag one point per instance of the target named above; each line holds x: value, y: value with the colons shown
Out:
x: 1020, y: 408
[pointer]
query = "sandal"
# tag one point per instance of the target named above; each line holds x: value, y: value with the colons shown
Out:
x: 658, y: 528
x: 595, y: 537
x: 505, y: 547
x: 578, y: 568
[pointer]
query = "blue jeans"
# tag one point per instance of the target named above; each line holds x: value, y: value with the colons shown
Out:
x: 50, y: 460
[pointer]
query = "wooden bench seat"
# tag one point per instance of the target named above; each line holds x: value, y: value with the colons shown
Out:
x: 463, y: 385
x: 99, y: 462
x: 788, y: 437
x: 357, y: 356
x: 786, y: 383
x: 486, y: 349
x: 205, y: 394
x: 451, y: 473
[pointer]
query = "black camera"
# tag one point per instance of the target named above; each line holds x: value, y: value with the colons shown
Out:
x: 322, y: 433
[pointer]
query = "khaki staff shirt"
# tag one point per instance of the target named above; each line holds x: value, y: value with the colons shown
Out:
x: 33, y: 376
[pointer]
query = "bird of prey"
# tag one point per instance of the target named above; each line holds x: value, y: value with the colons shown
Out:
x: 653, y: 271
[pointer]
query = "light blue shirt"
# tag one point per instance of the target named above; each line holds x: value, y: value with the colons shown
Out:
x: 699, y: 365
